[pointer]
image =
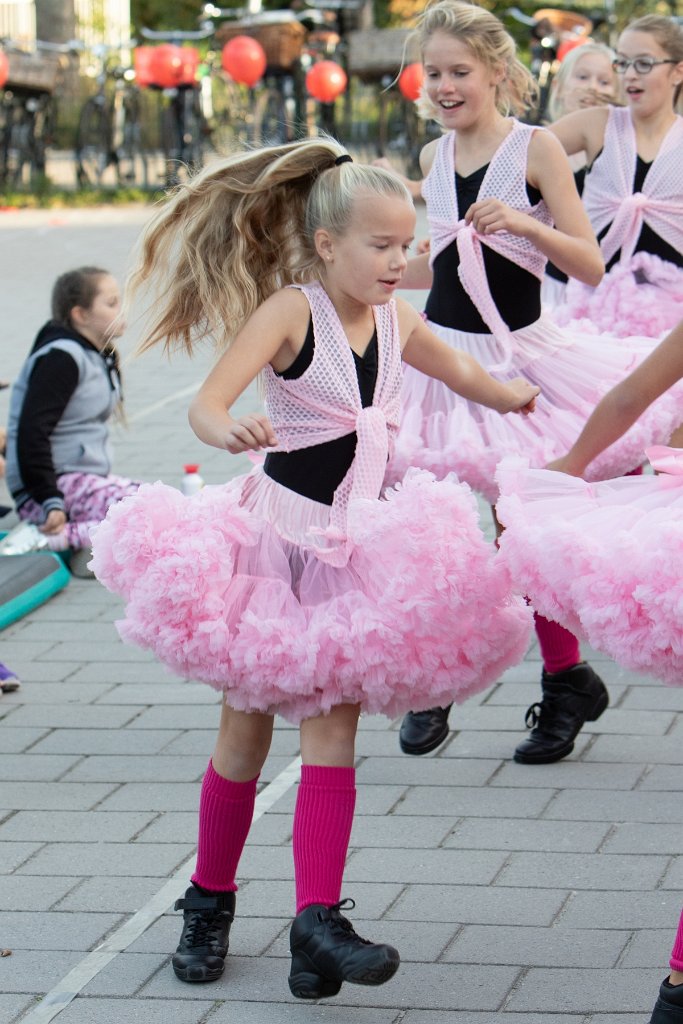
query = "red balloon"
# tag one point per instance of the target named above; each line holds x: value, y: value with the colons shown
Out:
x: 142, y: 61
x: 569, y: 44
x: 325, y: 81
x: 4, y: 69
x: 244, y: 59
x: 166, y: 65
x: 410, y: 81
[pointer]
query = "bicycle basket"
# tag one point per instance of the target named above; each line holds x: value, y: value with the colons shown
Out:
x: 33, y: 72
x: 376, y: 52
x: 283, y: 40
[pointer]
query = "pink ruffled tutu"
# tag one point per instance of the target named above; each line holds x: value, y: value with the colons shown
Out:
x: 641, y: 297
x: 443, y: 433
x: 552, y: 292
x: 605, y: 560
x: 420, y: 615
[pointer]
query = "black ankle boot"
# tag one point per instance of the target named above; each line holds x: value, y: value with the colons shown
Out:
x: 570, y: 699
x: 326, y: 951
x: 203, y: 945
x: 423, y: 731
x: 669, y: 1006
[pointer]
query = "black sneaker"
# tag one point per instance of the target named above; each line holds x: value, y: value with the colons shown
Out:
x: 669, y: 1006
x: 326, y: 951
x: 203, y: 945
x: 423, y: 731
x: 570, y: 699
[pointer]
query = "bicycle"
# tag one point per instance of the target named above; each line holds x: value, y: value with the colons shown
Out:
x: 109, y: 129
x: 28, y: 109
x: 183, y: 128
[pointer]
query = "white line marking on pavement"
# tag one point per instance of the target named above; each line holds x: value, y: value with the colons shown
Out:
x: 75, y: 981
x: 149, y: 409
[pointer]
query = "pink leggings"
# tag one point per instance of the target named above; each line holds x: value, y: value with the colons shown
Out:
x: 86, y: 500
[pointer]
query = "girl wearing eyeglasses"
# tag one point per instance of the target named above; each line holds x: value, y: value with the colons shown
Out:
x: 634, y: 189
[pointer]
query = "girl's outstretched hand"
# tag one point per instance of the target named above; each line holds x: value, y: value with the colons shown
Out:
x: 490, y: 215
x: 522, y: 395
x: 250, y: 433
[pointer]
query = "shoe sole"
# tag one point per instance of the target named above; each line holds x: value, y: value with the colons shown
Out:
x: 598, y: 708
x: 424, y: 748
x: 310, y: 985
x: 186, y: 974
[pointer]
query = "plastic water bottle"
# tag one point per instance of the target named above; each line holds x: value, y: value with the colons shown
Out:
x: 191, y: 482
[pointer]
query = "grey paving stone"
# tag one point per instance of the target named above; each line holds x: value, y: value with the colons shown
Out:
x: 586, y: 990
x: 276, y: 899
x: 122, y: 742
x: 62, y: 796
x: 31, y: 972
x: 385, y: 832
x: 86, y: 716
x: 478, y: 803
x: 74, y: 826
x: 572, y: 775
x: 377, y: 744
x: 623, y: 722
x: 525, y: 834
x: 632, y: 837
x: 486, y: 718
x: 14, y: 650
x: 273, y: 767
x: 673, y: 878
x: 649, y: 947
x: 444, y: 1017
x: 639, y: 749
x: 111, y: 859
x: 201, y: 741
x: 14, y: 738
x: 584, y: 870
x: 432, y: 867
x: 605, y: 805
x: 19, y: 892
x: 11, y: 1007
x: 300, y: 1013
x: 137, y: 1011
x: 669, y: 698
x: 155, y: 693
x: 660, y: 909
x: 63, y: 631
x: 432, y: 771
x: 179, y: 716
x: 662, y: 777
x: 138, y: 768
x: 144, y: 674
x: 537, y: 947
x: 153, y: 796
x: 416, y: 941
x: 34, y: 767
x: 375, y: 799
x: 65, y: 693
x: 501, y: 744
x: 30, y: 671
x: 271, y: 830
x: 13, y: 855
x: 86, y: 650
x: 171, y: 827
x: 110, y: 895
x: 125, y: 975
x: 478, y: 904
x: 50, y: 931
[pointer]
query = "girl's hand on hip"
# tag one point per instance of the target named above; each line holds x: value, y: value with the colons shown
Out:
x: 523, y: 398
x: 490, y: 215
x: 250, y: 433
x: 55, y: 522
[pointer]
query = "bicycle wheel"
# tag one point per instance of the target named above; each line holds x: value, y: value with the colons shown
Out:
x: 275, y: 115
x: 19, y: 150
x: 93, y: 145
x: 131, y: 161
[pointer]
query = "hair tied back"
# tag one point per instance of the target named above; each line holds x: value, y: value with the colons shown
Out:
x: 343, y: 159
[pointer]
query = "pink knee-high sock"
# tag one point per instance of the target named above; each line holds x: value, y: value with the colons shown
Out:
x: 225, y: 812
x: 676, y: 962
x: 323, y: 817
x: 559, y: 648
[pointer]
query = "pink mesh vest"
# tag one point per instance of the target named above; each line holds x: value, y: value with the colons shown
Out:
x: 608, y: 193
x: 505, y: 179
x: 325, y: 403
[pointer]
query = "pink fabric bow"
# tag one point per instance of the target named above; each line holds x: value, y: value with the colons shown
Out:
x: 628, y: 222
x: 666, y: 460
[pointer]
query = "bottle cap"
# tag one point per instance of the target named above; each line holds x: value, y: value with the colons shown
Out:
x: 191, y: 468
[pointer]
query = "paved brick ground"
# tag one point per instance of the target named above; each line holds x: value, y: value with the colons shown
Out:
x: 516, y: 895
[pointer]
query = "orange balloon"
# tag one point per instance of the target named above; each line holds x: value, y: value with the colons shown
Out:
x: 325, y: 81
x: 166, y: 66
x: 410, y: 81
x: 4, y: 69
x: 244, y: 59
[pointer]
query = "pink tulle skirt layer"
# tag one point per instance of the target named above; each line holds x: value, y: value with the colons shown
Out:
x: 605, y: 560
x: 443, y: 433
x: 422, y: 613
x: 641, y: 297
x: 552, y: 292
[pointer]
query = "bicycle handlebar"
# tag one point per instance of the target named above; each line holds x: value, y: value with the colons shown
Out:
x: 72, y: 47
x: 177, y: 36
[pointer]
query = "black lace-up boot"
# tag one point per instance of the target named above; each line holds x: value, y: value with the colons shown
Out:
x: 423, y: 731
x: 203, y: 945
x: 570, y: 699
x: 669, y: 1006
x: 326, y: 951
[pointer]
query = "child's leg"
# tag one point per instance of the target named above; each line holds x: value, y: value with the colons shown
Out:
x: 87, y: 498
x: 226, y: 808
x: 669, y: 1006
x: 325, y: 949
x: 559, y: 648
x: 676, y: 962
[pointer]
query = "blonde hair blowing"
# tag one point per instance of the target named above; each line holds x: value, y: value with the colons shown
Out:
x: 559, y: 82
x: 489, y: 42
x: 240, y: 230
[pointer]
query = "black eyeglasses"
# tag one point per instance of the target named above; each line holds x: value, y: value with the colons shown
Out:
x: 641, y: 65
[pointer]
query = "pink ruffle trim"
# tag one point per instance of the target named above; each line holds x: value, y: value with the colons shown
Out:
x: 421, y: 615
x: 605, y: 560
